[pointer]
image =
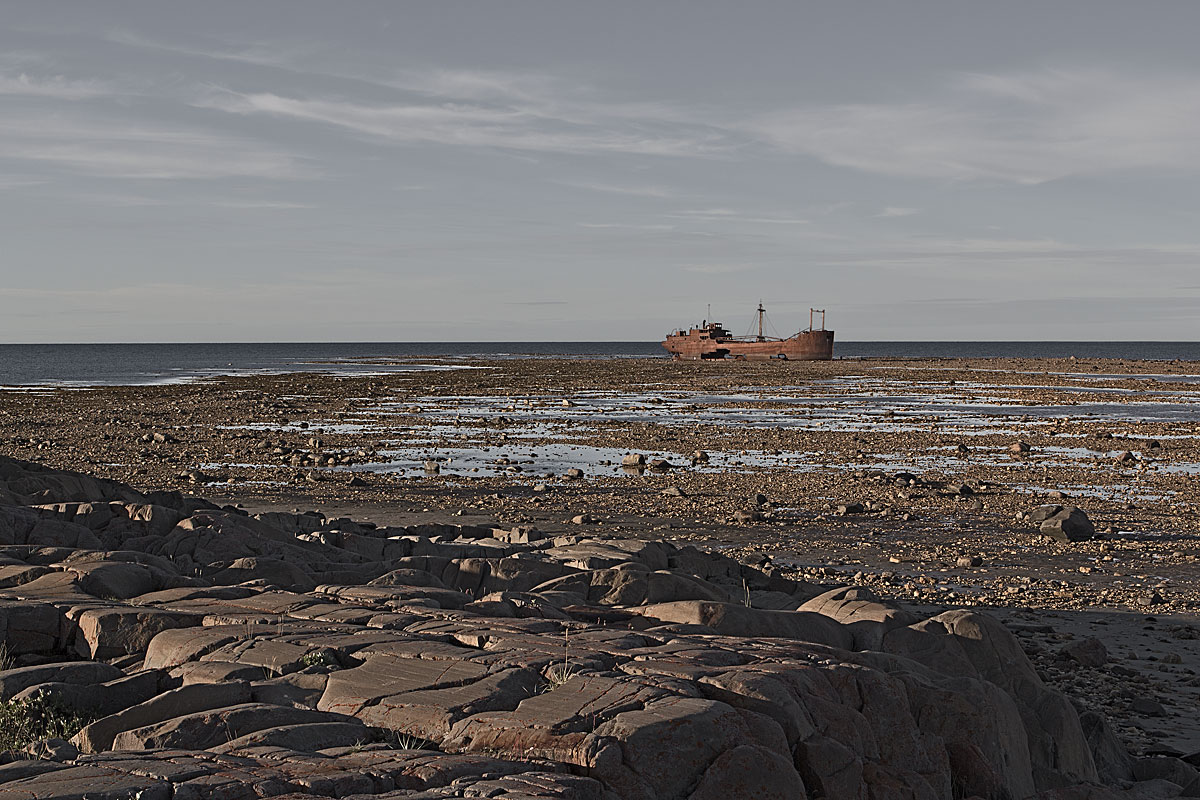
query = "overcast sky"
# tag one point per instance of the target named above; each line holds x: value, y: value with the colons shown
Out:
x: 521, y: 170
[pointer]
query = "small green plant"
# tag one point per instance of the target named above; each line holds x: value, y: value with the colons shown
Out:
x: 32, y: 719
x: 6, y: 657
x: 319, y: 658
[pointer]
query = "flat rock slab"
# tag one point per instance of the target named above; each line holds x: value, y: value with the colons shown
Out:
x: 86, y: 783
x: 430, y: 714
x: 351, y: 690
x: 736, y: 620
x: 304, y: 738
x: 206, y: 729
x: 170, y: 648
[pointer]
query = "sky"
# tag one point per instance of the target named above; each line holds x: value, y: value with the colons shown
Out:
x: 551, y: 170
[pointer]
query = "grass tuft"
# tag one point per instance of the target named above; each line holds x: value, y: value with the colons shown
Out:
x: 558, y: 674
x: 408, y: 741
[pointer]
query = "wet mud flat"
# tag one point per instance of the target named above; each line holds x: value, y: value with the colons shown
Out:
x: 912, y: 478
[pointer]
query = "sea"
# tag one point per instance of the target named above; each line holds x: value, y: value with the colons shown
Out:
x: 24, y: 365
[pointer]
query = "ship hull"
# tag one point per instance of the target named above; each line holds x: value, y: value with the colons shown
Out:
x: 805, y: 346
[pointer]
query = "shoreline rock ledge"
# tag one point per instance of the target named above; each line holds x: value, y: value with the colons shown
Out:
x: 215, y: 654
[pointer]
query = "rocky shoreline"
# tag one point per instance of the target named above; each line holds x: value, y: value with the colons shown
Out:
x: 818, y: 578
x: 210, y: 651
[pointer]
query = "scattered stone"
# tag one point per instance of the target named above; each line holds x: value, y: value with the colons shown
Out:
x: 1147, y: 707
x: 1089, y: 652
x: 1064, y: 523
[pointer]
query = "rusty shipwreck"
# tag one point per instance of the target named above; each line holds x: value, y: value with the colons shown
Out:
x: 711, y: 340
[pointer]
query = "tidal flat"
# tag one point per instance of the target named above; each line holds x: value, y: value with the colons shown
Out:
x: 919, y: 480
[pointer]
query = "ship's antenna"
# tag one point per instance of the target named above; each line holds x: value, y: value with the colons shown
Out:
x: 709, y: 312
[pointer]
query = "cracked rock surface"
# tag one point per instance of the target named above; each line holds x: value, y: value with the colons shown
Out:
x: 217, y: 654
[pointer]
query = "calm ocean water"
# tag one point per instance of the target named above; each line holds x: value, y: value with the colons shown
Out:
x: 131, y: 364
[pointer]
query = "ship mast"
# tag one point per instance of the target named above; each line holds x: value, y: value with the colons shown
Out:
x: 761, y: 311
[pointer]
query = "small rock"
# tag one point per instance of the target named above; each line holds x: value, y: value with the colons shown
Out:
x: 965, y: 562
x: 582, y: 519
x: 1152, y: 599
x: 673, y: 491
x: 633, y: 460
x: 1147, y: 707
x: 574, y: 474
x: 1019, y: 447
x: 1067, y: 524
x: 1089, y: 652
x: 744, y: 517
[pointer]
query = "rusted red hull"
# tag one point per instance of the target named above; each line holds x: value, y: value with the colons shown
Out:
x: 699, y: 344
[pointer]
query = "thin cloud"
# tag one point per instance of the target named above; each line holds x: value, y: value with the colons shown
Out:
x: 115, y: 148
x: 657, y: 192
x: 730, y: 215
x: 626, y: 226
x: 897, y: 211
x: 717, y: 269
x: 18, y: 182
x: 262, y: 54
x: 263, y: 204
x: 1028, y: 127
x: 464, y: 125
x: 56, y: 87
